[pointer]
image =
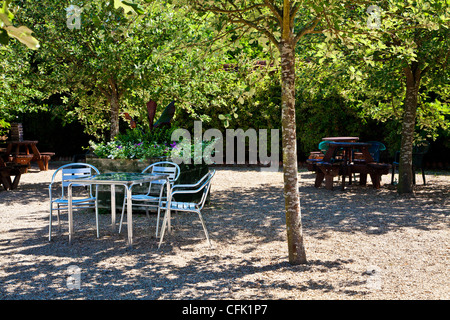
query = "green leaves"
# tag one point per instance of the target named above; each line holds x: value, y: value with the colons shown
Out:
x: 159, y: 54
x: 226, y: 118
x: 22, y: 33
x: 4, y: 37
x: 128, y: 7
x: 6, y: 16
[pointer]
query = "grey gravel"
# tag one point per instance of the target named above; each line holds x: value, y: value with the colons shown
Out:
x: 361, y: 243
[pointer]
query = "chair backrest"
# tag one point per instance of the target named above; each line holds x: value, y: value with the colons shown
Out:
x: 74, y: 171
x: 206, y: 186
x: 419, y: 152
x: 165, y: 167
x: 380, y: 145
x: 397, y: 157
x: 375, y: 149
x: 323, y: 146
x: 421, y: 148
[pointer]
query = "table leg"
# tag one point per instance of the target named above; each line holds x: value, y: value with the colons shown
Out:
x: 5, y: 179
x: 96, y: 210
x: 113, y: 207
x: 168, y: 204
x: 376, y: 180
x: 16, y: 181
x: 319, y: 178
x: 129, y: 218
x: 363, y: 179
x: 329, y: 182
x: 70, y: 213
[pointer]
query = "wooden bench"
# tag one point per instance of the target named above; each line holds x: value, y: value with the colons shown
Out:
x: 44, y: 159
x: 328, y: 170
x: 23, y: 160
x: 324, y: 170
x: 316, y: 155
x: 376, y: 170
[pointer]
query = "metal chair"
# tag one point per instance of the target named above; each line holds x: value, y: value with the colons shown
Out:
x: 72, y: 171
x: 152, y: 201
x: 375, y: 149
x: 201, y: 188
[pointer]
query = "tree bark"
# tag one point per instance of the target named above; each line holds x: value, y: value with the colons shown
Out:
x: 405, y: 180
x: 297, y: 254
x: 114, y: 109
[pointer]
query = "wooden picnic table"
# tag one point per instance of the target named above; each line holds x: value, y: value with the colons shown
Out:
x: 319, y: 154
x: 341, y: 139
x: 331, y: 166
x: 23, y: 152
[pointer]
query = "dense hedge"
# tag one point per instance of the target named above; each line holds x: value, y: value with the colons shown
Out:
x: 317, y: 117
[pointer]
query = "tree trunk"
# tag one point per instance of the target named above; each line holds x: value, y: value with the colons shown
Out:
x: 297, y: 254
x: 114, y: 109
x: 405, y: 179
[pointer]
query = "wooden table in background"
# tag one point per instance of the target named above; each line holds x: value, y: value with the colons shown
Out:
x: 330, y: 167
x: 24, y: 152
x: 341, y: 139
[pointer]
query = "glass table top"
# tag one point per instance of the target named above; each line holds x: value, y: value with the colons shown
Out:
x: 122, y: 177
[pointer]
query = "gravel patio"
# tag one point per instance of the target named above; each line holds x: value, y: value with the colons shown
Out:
x: 361, y: 243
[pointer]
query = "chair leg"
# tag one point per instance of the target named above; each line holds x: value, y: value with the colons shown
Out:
x: 423, y: 175
x: 204, y: 227
x: 165, y: 221
x: 157, y: 221
x: 393, y: 174
x: 57, y: 218
x: 50, y: 223
x: 121, y: 216
x: 163, y: 229
x: 159, y: 209
x: 96, y: 213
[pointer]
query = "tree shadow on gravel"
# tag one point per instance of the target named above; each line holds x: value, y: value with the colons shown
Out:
x: 25, y: 194
x: 364, y: 209
x: 205, y: 277
x: 33, y: 268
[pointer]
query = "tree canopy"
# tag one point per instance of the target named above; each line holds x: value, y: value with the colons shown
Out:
x: 250, y: 62
x: 122, y: 61
x: 8, y: 29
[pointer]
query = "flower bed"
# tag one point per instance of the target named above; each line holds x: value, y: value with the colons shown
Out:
x: 134, y: 151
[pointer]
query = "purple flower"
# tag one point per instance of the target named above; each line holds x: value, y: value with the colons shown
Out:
x: 173, y: 145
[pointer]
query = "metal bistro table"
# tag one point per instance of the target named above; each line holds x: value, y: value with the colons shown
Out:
x: 126, y: 179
